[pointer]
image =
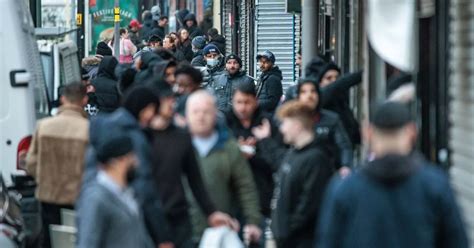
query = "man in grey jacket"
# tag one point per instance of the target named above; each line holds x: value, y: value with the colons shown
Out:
x: 109, y: 215
x: 224, y: 84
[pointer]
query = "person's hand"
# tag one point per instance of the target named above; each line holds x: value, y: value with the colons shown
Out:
x: 344, y: 171
x: 159, y: 123
x: 219, y: 219
x: 252, y: 233
x: 166, y: 245
x: 180, y: 121
x: 263, y: 131
x: 247, y: 146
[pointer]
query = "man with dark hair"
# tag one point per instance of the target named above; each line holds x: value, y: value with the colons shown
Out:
x: 241, y: 119
x: 165, y: 54
x: 188, y: 80
x: 190, y: 23
x: 56, y: 156
x: 304, y: 171
x: 327, y: 125
x: 109, y: 207
x: 396, y: 200
x: 269, y: 87
x: 224, y: 84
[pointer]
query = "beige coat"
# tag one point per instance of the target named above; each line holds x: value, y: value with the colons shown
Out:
x: 56, y: 155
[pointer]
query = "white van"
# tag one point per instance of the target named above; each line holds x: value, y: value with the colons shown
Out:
x: 25, y: 95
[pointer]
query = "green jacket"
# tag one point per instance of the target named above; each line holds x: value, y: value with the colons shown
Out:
x: 229, y: 181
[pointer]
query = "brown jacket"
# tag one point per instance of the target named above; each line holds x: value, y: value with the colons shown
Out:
x: 56, y: 155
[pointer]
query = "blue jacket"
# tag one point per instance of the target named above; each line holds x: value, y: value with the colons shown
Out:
x: 395, y: 201
x: 122, y: 121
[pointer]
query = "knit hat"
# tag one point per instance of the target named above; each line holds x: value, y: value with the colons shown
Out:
x: 233, y: 56
x: 103, y: 49
x: 114, y: 146
x: 199, y: 42
x: 139, y: 98
x: 268, y: 55
x: 391, y: 116
x: 154, y: 38
x: 210, y: 48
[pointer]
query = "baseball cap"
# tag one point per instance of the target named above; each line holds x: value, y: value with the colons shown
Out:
x: 135, y: 24
x: 391, y: 116
x: 268, y: 55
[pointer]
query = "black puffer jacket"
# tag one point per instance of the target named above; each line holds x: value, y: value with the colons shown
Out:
x: 269, y: 89
x: 330, y: 132
x: 224, y: 85
x: 261, y: 169
x: 105, y: 84
x: 301, y: 182
x: 187, y: 50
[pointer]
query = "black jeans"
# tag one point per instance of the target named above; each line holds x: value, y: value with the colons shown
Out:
x: 51, y: 215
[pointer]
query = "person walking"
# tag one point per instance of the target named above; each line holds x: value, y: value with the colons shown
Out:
x: 303, y: 174
x: 225, y: 171
x: 198, y: 44
x: 109, y: 214
x: 56, y: 156
x: 105, y: 86
x: 185, y: 44
x: 269, y: 87
x: 398, y: 199
x: 224, y: 84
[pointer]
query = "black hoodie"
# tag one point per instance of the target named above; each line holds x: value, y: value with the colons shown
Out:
x: 106, y: 93
x: 194, y: 31
x: 394, y: 201
x: 270, y: 89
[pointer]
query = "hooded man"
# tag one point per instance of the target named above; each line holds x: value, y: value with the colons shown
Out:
x: 396, y: 200
x: 106, y: 95
x: 190, y: 24
x: 269, y: 87
x: 216, y: 39
x: 224, y: 84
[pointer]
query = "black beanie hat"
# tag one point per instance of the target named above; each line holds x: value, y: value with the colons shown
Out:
x: 113, y: 147
x: 103, y: 49
x: 138, y: 98
x: 233, y: 56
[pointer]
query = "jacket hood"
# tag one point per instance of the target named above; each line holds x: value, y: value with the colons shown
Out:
x: 148, y: 58
x: 91, y: 60
x: 275, y: 71
x: 393, y: 169
x: 317, y: 67
x: 190, y: 16
x: 107, y: 67
x: 160, y: 67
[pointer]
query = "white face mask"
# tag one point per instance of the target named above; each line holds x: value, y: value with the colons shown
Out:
x: 212, y: 62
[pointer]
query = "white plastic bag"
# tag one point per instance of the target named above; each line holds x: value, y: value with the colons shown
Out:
x: 220, y: 237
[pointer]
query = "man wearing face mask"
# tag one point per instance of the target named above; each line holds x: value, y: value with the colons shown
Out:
x: 214, y: 64
x: 224, y: 84
x: 109, y: 207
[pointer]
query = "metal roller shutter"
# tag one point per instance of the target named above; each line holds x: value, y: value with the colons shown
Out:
x: 278, y: 32
x: 244, y: 34
x: 462, y: 106
x: 227, y: 26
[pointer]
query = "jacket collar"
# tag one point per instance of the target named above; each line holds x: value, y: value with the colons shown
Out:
x: 392, y: 168
x: 72, y: 110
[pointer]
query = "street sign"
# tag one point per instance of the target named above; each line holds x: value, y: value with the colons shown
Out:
x: 79, y: 19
